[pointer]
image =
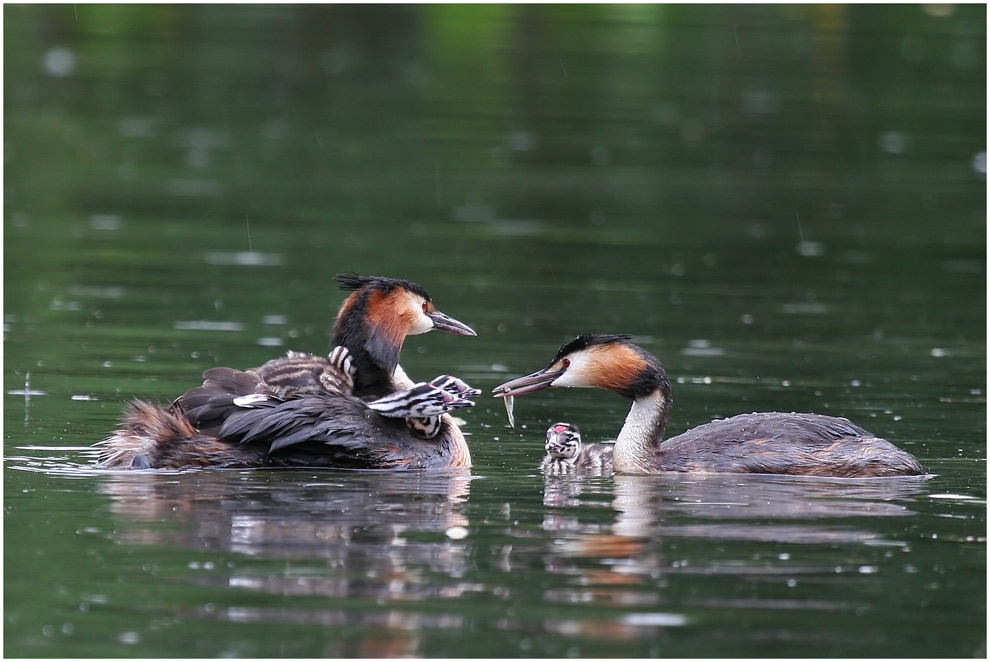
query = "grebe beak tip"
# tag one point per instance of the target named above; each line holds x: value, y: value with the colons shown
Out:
x: 535, y: 382
x: 443, y: 322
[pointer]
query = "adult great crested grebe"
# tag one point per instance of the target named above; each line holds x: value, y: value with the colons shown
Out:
x: 566, y: 454
x: 351, y: 409
x: 772, y: 442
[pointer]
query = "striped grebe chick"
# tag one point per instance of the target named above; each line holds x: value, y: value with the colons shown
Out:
x: 566, y: 454
x: 354, y: 408
x: 769, y: 442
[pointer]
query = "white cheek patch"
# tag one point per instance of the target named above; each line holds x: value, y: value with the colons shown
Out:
x: 421, y: 324
x: 578, y: 373
x: 413, y: 309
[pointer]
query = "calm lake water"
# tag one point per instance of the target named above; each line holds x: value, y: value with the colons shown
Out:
x: 786, y: 204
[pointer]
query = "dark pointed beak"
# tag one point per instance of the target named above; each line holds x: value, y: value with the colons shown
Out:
x: 446, y: 323
x: 536, y: 382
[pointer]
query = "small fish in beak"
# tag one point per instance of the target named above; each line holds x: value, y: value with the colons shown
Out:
x: 509, y: 402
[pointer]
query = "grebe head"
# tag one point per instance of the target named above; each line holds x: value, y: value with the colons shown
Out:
x: 563, y: 441
x: 596, y: 359
x: 400, y: 306
x: 381, y: 312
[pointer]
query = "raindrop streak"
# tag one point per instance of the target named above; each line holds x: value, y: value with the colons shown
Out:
x: 27, y: 398
x: 27, y: 393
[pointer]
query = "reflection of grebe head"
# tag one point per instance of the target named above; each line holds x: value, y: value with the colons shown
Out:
x: 381, y: 312
x: 563, y: 441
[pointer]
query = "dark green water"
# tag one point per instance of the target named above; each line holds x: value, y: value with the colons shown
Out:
x: 787, y: 204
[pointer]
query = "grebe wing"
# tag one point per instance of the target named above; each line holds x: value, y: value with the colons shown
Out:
x: 781, y: 443
x: 225, y: 390
x: 806, y: 429
x: 209, y: 405
x: 335, y: 431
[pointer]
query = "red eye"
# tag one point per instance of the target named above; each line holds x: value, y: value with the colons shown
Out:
x: 426, y: 306
x: 567, y: 363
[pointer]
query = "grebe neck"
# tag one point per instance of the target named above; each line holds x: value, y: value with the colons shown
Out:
x: 637, y: 448
x: 400, y: 379
x: 374, y: 349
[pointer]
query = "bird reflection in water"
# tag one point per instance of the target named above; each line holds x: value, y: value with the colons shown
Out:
x: 662, y: 526
x: 379, y: 536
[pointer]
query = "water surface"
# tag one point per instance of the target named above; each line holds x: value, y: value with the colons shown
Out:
x: 785, y: 204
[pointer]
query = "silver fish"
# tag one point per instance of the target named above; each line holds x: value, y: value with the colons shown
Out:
x: 509, y: 402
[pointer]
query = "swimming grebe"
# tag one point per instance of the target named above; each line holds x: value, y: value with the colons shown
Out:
x: 567, y: 455
x: 775, y: 443
x: 355, y: 408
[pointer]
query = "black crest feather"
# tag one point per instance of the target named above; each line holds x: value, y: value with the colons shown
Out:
x: 588, y: 340
x: 354, y: 282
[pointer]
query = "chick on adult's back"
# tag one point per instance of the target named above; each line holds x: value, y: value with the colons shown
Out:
x: 304, y: 409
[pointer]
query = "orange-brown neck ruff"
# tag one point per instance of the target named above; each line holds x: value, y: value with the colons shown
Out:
x: 372, y: 325
x: 390, y: 316
x: 627, y: 370
x: 615, y: 367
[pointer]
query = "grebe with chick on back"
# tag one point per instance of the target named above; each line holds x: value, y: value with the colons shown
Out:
x: 768, y: 442
x: 355, y: 408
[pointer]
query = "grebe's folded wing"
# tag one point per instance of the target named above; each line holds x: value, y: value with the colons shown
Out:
x: 813, y: 430
x: 782, y: 443
x: 224, y: 390
x: 334, y: 426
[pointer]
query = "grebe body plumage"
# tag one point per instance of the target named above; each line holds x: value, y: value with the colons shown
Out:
x: 770, y: 442
x: 355, y: 408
